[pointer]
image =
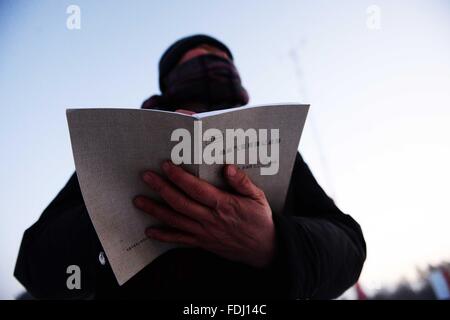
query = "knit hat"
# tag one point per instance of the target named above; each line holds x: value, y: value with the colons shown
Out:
x: 175, y: 52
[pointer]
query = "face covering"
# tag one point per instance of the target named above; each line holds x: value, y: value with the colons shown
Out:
x: 208, y: 81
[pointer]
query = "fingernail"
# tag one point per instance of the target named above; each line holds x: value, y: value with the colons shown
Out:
x: 166, y: 166
x: 149, y: 232
x: 138, y: 201
x: 148, y: 177
x: 231, y: 170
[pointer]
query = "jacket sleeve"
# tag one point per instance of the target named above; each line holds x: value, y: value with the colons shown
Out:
x: 320, y: 249
x: 63, y: 236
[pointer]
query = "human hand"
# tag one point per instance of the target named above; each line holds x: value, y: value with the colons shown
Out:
x: 236, y: 226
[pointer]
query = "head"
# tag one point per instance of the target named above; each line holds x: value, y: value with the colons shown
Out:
x: 197, y: 73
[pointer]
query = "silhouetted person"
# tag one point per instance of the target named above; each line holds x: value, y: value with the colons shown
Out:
x: 311, y: 250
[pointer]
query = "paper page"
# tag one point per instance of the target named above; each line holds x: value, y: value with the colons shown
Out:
x: 288, y: 119
x: 206, y: 114
x: 111, y: 148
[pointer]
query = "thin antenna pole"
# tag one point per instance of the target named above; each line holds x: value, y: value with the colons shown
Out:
x: 302, y: 92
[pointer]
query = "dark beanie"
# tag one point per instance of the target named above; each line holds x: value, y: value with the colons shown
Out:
x: 173, y: 54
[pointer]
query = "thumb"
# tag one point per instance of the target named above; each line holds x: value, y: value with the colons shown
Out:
x: 184, y: 111
x: 241, y: 183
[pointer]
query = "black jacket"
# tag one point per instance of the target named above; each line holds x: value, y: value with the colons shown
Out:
x: 320, y: 253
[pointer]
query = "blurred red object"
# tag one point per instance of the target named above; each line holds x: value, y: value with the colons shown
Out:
x: 361, y: 295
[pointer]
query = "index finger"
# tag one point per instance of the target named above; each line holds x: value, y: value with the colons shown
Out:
x: 196, y: 188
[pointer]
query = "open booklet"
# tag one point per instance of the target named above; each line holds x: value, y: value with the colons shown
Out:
x: 112, y: 147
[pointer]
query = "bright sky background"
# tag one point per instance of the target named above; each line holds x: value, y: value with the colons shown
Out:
x: 378, y: 134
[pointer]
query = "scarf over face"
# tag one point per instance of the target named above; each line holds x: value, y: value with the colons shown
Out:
x: 204, y: 83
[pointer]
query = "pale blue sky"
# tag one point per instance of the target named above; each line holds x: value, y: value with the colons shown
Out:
x: 377, y: 137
